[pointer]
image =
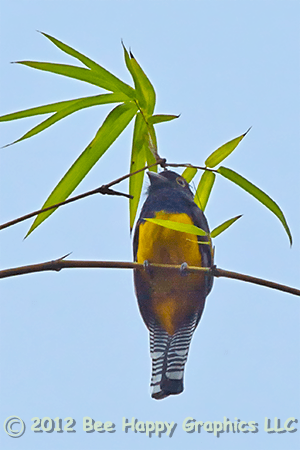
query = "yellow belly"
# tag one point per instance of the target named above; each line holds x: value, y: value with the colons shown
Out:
x: 164, y: 246
x: 173, y: 296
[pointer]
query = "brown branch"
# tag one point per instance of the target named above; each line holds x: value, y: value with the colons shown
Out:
x: 118, y: 180
x: 62, y: 263
x: 239, y: 276
x: 189, y: 165
x: 104, y: 190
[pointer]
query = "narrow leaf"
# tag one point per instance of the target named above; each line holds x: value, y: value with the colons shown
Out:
x: 138, y: 158
x: 72, y: 52
x: 112, y: 127
x: 158, y: 118
x: 58, y: 106
x: 222, y: 152
x: 115, y: 82
x: 37, y: 110
x: 152, y: 142
x: 189, y: 173
x: 150, y: 159
x: 178, y: 226
x: 258, y: 194
x: 218, y: 230
x: 71, y: 107
x: 199, y: 242
x: 144, y: 90
x: 79, y: 73
x: 204, y: 189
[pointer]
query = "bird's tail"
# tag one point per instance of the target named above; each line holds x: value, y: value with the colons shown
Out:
x: 169, y: 355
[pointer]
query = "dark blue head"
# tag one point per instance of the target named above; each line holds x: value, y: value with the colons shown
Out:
x: 168, y: 181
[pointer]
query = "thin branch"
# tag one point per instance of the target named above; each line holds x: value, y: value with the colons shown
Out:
x: 118, y: 180
x: 61, y: 263
x: 239, y: 276
x: 189, y: 165
x: 104, y: 190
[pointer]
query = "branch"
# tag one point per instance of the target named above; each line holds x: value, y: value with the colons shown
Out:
x: 239, y: 276
x: 61, y: 263
x: 104, y: 190
x: 188, y: 165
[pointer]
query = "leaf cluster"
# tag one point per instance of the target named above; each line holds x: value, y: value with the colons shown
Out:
x: 132, y: 102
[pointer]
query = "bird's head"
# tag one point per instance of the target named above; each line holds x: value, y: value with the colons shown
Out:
x: 168, y: 180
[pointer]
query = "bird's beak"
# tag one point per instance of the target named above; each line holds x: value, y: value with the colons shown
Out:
x: 156, y: 178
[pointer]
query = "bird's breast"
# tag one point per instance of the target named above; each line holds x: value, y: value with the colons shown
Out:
x: 161, y: 245
x: 173, y: 296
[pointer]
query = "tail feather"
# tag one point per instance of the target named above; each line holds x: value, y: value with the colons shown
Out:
x: 169, y: 355
x: 159, y: 343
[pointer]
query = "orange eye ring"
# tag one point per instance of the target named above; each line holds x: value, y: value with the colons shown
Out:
x: 180, y: 181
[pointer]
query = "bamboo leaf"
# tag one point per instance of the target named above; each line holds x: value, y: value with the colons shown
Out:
x: 204, y: 189
x: 145, y: 92
x: 218, y: 230
x: 257, y: 193
x: 112, y: 127
x: 189, y: 173
x: 79, y: 73
x: 151, y: 144
x: 150, y: 159
x: 158, y: 118
x: 138, y: 158
x: 178, y: 226
x: 72, y: 52
x: 199, y: 242
x: 116, y: 83
x: 37, y: 110
x: 222, y: 152
x: 71, y: 106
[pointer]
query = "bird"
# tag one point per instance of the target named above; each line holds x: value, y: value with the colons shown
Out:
x: 171, y: 303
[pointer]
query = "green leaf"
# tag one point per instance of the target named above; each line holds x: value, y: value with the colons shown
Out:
x: 199, y: 242
x: 70, y: 107
x: 258, y: 194
x: 158, y: 118
x: 145, y: 92
x: 178, y: 226
x: 37, y: 110
x: 150, y: 160
x: 72, y: 52
x: 204, y: 189
x: 189, y: 173
x: 218, y: 230
x: 138, y: 159
x: 115, y: 83
x: 152, y: 143
x: 222, y: 152
x: 116, y: 121
x: 79, y: 73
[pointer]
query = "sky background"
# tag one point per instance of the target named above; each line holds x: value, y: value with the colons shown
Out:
x: 73, y: 343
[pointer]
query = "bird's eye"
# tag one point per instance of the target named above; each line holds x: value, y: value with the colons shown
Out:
x: 180, y: 181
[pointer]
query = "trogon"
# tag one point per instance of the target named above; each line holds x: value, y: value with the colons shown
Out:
x: 171, y: 302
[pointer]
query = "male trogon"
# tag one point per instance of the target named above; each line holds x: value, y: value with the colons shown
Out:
x: 171, y: 302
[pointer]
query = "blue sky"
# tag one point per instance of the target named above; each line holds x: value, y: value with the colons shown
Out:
x: 73, y: 343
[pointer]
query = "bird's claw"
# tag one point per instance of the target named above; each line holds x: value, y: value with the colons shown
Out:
x: 147, y: 267
x: 183, y: 269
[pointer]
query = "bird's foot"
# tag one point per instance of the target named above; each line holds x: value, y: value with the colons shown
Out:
x: 183, y: 269
x: 147, y: 268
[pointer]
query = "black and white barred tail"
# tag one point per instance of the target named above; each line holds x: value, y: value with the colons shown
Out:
x: 169, y: 354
